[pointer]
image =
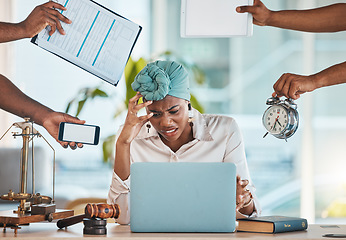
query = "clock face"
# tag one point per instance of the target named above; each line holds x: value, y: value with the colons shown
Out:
x: 275, y: 119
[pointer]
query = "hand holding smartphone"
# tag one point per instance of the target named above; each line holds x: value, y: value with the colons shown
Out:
x: 79, y: 133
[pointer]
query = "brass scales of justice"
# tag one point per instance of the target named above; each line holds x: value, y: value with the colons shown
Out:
x: 33, y: 206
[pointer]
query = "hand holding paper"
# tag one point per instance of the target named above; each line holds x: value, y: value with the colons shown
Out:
x: 98, y: 40
x: 259, y: 11
x: 42, y: 16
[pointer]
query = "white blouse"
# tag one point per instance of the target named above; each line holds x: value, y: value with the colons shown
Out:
x: 216, y: 139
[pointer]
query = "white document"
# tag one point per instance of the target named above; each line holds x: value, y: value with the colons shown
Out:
x: 98, y: 40
x: 214, y: 18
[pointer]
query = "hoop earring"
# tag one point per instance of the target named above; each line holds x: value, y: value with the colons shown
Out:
x: 148, y: 127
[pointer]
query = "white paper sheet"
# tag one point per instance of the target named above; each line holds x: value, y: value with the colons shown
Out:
x: 214, y: 18
x: 97, y: 40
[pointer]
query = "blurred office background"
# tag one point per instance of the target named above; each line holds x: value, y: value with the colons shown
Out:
x: 302, y: 177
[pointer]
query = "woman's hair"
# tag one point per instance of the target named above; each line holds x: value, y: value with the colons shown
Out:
x: 161, y: 78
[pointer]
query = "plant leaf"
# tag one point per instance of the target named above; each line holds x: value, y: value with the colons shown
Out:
x: 140, y: 64
x: 199, y: 75
x: 99, y: 93
x: 195, y: 104
x: 80, y: 106
x: 132, y: 72
x: 108, y: 147
x: 128, y: 68
x: 68, y: 106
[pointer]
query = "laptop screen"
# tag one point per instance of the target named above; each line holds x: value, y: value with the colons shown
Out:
x: 183, y: 197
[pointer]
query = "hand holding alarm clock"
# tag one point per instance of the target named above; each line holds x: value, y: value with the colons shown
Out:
x: 281, y: 118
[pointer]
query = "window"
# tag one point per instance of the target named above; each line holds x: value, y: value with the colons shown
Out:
x: 240, y: 73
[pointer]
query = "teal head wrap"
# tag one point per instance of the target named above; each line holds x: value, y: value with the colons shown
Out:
x: 162, y: 78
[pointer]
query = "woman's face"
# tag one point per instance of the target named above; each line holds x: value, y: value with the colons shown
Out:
x: 170, y: 118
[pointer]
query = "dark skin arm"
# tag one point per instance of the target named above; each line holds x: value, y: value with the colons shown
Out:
x: 132, y: 126
x: 16, y: 102
x: 11, y: 98
x: 293, y: 85
x: 330, y: 18
x: 42, y: 16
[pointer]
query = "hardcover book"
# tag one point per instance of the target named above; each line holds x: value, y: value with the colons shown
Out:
x: 272, y: 224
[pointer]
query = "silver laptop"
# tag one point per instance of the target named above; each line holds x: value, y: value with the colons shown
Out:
x: 183, y: 197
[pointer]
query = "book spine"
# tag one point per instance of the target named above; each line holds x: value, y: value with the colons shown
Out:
x: 289, y: 226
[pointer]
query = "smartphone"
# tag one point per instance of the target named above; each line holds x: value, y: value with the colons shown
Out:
x: 79, y: 133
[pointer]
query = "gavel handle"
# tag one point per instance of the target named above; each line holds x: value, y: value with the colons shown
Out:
x: 70, y: 221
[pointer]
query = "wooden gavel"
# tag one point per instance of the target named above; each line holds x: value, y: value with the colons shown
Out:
x: 100, y: 210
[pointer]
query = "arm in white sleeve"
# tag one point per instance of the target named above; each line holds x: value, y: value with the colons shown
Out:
x: 119, y: 194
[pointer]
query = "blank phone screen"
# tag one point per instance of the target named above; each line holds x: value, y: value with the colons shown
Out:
x: 79, y: 133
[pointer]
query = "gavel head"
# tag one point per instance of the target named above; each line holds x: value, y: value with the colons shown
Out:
x: 102, y: 210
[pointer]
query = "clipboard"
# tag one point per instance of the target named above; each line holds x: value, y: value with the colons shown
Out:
x: 98, y: 51
x: 214, y: 19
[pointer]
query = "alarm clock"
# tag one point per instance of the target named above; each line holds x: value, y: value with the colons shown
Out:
x: 281, y: 118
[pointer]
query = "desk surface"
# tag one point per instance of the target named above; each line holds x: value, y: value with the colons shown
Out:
x: 47, y: 230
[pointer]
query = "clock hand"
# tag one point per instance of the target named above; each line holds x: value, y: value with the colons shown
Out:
x: 271, y: 128
x: 275, y: 123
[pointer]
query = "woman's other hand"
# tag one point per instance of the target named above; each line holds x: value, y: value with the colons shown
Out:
x: 134, y: 123
x: 244, y: 197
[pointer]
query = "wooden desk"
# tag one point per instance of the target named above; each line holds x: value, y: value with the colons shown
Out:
x: 121, y: 232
